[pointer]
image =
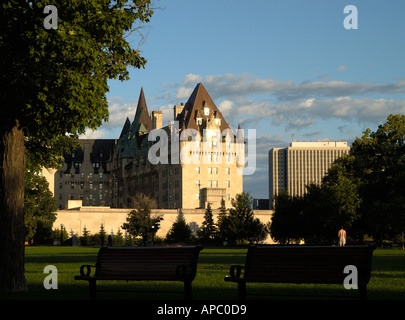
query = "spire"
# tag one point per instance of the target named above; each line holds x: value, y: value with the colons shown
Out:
x: 142, y: 113
x: 126, y: 127
x: 239, y: 135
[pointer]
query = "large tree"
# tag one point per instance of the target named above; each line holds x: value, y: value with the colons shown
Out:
x: 380, y: 167
x: 53, y: 87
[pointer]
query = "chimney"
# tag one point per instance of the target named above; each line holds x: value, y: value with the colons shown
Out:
x: 156, y: 119
x: 177, y: 110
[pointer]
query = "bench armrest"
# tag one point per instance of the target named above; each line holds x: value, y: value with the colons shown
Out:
x: 238, y: 270
x: 88, y: 270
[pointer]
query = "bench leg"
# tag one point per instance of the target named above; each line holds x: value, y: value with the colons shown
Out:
x: 362, y: 292
x: 187, y: 290
x: 92, y: 289
x: 242, y: 290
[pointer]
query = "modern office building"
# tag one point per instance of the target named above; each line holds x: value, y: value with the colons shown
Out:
x: 300, y: 164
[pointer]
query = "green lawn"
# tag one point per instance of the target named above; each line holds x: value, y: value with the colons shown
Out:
x: 387, y: 279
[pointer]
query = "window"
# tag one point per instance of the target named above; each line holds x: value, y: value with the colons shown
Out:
x: 228, y: 196
x: 228, y: 183
x: 197, y: 183
x: 100, y: 196
x: 215, y: 170
x: 199, y: 121
x: 206, y: 111
x: 197, y: 169
x: 91, y: 197
x: 215, y: 183
x: 227, y: 171
x: 210, y: 183
x: 100, y: 186
x: 197, y: 196
x: 101, y: 175
x: 91, y: 186
x: 209, y: 170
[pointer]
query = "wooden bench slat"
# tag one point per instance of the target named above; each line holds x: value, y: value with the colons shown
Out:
x: 303, y: 264
x: 150, y: 263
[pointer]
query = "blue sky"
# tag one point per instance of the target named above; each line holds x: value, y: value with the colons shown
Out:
x: 287, y: 68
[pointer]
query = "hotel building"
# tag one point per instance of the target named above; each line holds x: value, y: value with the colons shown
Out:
x: 192, y: 161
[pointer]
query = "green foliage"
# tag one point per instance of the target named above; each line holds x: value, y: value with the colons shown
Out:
x: 180, y: 231
x: 239, y: 223
x: 141, y: 221
x: 208, y: 230
x: 286, y: 222
x: 85, y: 238
x: 55, y: 81
x: 118, y: 239
x: 39, y: 209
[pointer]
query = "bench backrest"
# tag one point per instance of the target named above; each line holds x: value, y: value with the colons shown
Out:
x: 148, y: 263
x: 300, y: 264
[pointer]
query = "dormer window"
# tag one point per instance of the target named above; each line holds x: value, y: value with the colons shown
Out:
x: 199, y: 121
x: 206, y: 111
x: 218, y: 121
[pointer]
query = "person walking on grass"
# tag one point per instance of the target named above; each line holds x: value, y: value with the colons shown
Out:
x: 342, y: 237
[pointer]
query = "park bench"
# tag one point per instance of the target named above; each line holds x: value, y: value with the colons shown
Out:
x: 303, y: 264
x: 168, y: 263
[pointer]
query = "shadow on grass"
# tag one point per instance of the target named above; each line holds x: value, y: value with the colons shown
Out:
x: 387, y: 279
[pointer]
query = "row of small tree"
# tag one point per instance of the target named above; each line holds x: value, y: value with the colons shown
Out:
x: 235, y: 225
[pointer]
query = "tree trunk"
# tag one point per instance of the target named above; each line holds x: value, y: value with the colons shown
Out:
x: 12, y: 177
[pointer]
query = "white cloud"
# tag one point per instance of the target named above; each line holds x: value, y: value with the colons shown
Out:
x: 192, y: 79
x: 94, y: 134
x: 183, y: 93
x: 248, y: 99
x: 341, y: 68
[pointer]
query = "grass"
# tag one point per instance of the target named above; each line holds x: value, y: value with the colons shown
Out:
x: 387, y: 279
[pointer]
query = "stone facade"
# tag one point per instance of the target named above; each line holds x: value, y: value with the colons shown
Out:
x: 185, y: 164
x: 194, y: 160
x: 84, y: 176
